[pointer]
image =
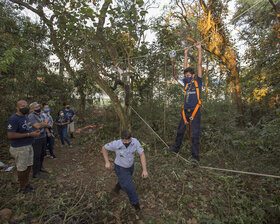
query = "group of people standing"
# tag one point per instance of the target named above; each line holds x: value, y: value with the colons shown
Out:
x: 31, y: 132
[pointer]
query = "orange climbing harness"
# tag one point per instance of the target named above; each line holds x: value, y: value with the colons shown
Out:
x: 188, y: 123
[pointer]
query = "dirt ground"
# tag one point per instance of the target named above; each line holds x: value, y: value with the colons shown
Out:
x: 78, y: 189
x: 75, y: 167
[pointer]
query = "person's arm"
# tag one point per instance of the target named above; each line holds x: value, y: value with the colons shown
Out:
x: 15, y: 135
x: 106, y: 158
x: 36, y: 124
x: 143, y: 163
x: 52, y: 121
x: 199, y: 64
x: 48, y: 132
x: 186, y: 64
x: 67, y: 122
x: 56, y: 123
x: 74, y: 115
x: 40, y: 125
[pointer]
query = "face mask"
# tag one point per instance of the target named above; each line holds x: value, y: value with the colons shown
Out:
x: 24, y: 110
x: 62, y: 114
x: 188, y: 79
x: 127, y: 144
x: 48, y: 109
x: 67, y: 108
x: 37, y: 111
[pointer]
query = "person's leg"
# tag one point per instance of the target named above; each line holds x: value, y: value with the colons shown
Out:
x: 37, y: 148
x: 29, y: 164
x: 180, y: 134
x: 60, y: 132
x: 72, y: 129
x: 48, y: 145
x: 195, y: 132
x: 22, y: 179
x: 23, y: 158
x: 117, y: 188
x: 68, y: 128
x: 51, y: 144
x: 43, y: 151
x: 126, y: 183
x: 65, y: 136
x: 28, y: 173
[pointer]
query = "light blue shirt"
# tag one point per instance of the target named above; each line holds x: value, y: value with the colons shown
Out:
x: 46, y: 115
x: 34, y: 118
x: 124, y: 156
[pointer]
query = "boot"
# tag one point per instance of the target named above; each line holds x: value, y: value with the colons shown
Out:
x: 138, y: 211
x: 137, y: 207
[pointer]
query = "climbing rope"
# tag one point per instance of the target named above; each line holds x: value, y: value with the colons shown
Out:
x: 204, y: 167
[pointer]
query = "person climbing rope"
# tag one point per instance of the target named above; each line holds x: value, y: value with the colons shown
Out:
x: 191, y: 114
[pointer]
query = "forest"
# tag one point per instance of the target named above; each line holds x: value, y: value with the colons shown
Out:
x: 116, y: 63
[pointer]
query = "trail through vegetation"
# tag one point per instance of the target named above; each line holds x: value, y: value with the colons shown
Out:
x: 96, y: 56
x: 78, y: 189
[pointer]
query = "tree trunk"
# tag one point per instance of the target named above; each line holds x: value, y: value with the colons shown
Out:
x: 82, y: 102
x: 206, y: 79
x: 124, y: 124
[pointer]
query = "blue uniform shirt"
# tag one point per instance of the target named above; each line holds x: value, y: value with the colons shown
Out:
x: 34, y: 118
x: 191, y: 96
x: 124, y: 156
x: 69, y: 114
x: 61, y: 120
x: 21, y: 125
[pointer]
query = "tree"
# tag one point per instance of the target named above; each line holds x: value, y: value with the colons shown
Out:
x: 92, y: 37
x: 205, y: 21
x: 258, y: 30
x: 24, y: 64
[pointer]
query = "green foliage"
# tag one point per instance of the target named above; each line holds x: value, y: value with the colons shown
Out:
x: 25, y: 67
x: 261, y: 72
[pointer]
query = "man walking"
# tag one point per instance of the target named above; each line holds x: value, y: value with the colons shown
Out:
x: 125, y: 150
x: 22, y: 137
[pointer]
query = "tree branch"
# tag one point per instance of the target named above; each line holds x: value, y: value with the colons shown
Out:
x: 53, y: 37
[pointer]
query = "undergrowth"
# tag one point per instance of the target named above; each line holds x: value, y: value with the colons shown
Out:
x: 174, y: 192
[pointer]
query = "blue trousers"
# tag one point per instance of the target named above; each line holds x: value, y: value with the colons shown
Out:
x: 62, y: 131
x: 126, y: 182
x: 195, y: 134
x: 39, y: 148
x: 50, y: 144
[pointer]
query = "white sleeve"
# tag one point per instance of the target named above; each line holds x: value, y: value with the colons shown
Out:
x: 112, y: 146
x: 139, y: 147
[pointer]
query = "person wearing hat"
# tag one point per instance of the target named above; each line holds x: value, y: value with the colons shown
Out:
x: 22, y: 137
x: 39, y: 145
x: 125, y: 150
x: 191, y: 114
